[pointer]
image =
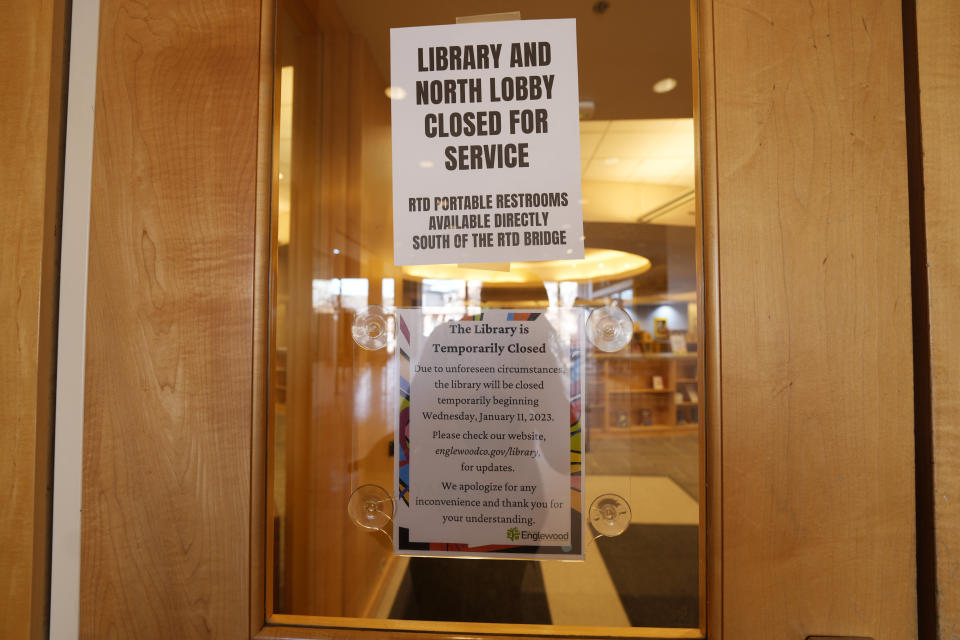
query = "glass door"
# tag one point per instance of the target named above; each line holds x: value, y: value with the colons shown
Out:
x: 334, y: 404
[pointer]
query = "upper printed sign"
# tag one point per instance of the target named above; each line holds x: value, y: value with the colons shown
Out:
x: 486, y: 143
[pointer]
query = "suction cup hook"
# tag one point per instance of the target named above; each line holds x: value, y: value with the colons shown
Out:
x: 609, y: 515
x: 609, y: 328
x: 370, y: 507
x: 370, y: 328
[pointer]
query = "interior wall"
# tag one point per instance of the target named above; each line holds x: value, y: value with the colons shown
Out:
x: 32, y: 100
x: 938, y: 23
x: 166, y: 522
x: 818, y: 533
x: 340, y: 203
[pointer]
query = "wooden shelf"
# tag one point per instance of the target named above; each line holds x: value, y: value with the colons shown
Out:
x: 622, y: 399
x: 640, y: 431
x: 639, y: 355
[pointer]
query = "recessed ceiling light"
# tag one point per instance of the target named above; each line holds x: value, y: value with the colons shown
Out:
x: 425, y: 164
x: 395, y: 93
x: 336, y: 252
x: 611, y: 161
x: 664, y: 85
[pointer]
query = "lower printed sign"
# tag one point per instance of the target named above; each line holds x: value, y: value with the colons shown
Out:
x: 489, y: 427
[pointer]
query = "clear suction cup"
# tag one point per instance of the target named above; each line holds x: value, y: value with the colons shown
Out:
x: 609, y: 515
x: 370, y: 328
x: 370, y: 507
x: 609, y: 328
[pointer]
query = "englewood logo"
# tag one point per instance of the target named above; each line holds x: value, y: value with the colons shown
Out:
x: 513, y: 534
x: 540, y: 535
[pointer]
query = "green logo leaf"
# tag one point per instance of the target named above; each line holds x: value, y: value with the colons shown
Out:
x: 513, y: 534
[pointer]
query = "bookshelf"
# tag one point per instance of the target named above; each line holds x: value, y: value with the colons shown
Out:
x: 624, y: 397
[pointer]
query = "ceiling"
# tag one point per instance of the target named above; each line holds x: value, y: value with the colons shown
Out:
x: 652, y: 151
x: 638, y: 170
x: 622, y: 52
x: 636, y: 146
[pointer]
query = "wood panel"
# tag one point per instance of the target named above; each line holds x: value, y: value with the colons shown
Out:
x: 297, y: 627
x: 31, y: 109
x: 938, y: 48
x: 815, y: 320
x: 300, y: 46
x: 263, y: 307
x: 370, y: 251
x: 168, y: 400
x: 708, y: 325
x: 333, y: 433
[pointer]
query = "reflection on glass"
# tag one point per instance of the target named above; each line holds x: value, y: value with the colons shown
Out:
x: 331, y: 411
x: 387, y: 289
x: 353, y: 293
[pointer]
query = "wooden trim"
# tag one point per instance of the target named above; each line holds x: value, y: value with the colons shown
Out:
x: 320, y: 626
x: 261, y: 541
x: 938, y: 52
x: 32, y: 74
x: 711, y: 512
x: 269, y: 75
x: 920, y: 310
x: 324, y: 627
x: 310, y: 633
x: 331, y: 633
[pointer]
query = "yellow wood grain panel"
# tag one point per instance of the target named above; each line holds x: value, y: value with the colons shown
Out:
x: 369, y: 249
x: 31, y: 107
x: 340, y: 177
x: 310, y: 525
x: 167, y: 435
x: 938, y: 48
x: 815, y: 321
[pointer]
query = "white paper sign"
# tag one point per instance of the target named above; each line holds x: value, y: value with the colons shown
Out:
x: 486, y: 142
x: 489, y: 460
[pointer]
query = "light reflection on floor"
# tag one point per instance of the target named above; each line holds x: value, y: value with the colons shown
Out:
x: 582, y: 593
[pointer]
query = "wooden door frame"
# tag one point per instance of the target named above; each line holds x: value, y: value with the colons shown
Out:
x: 723, y: 27
x: 33, y: 76
x: 708, y: 374
x: 708, y: 331
x: 933, y: 89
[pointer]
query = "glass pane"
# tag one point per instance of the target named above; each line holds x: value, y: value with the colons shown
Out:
x: 333, y: 405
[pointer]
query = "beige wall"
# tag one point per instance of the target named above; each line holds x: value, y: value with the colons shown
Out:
x: 31, y: 105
